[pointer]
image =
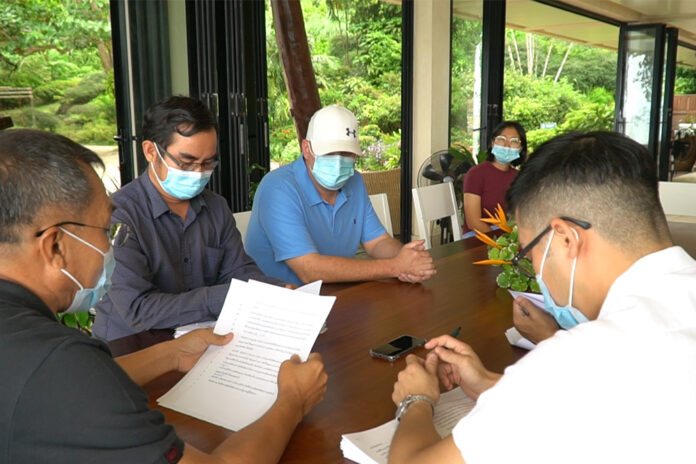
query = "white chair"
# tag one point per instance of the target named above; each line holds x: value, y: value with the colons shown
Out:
x: 242, y: 220
x: 436, y: 202
x: 380, y: 204
x: 678, y: 199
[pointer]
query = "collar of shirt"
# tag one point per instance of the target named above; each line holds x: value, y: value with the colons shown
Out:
x: 309, y: 190
x: 644, y: 274
x: 17, y: 295
x: 157, y: 204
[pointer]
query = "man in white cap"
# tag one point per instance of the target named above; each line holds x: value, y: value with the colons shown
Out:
x: 309, y: 217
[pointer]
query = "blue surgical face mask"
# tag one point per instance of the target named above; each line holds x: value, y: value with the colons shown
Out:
x: 86, y: 298
x: 505, y: 154
x: 180, y: 184
x: 566, y: 316
x: 333, y: 171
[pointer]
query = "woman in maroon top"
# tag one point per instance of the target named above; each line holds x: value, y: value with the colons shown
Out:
x: 485, y: 184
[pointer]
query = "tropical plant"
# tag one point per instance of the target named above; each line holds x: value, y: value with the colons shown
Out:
x: 501, y: 250
x: 82, y: 321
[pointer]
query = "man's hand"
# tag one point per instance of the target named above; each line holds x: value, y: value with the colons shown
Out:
x: 191, y: 346
x: 418, y: 378
x: 459, y: 365
x: 303, y: 384
x: 532, y: 322
x: 413, y: 263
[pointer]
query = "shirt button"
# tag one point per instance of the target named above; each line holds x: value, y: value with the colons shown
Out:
x: 186, y: 260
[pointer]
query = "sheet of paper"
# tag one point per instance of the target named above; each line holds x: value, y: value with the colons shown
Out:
x: 313, y: 287
x: 233, y: 385
x: 516, y: 339
x: 184, y: 329
x: 372, y: 446
x: 536, y: 298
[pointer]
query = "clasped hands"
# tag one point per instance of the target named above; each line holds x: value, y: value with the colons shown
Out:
x: 414, y: 263
x: 451, y: 361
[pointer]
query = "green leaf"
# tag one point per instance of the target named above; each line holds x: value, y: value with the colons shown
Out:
x: 493, y: 253
x: 519, y: 285
x: 82, y: 318
x: 503, y: 280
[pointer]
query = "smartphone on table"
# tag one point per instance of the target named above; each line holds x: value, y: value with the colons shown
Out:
x: 394, y: 349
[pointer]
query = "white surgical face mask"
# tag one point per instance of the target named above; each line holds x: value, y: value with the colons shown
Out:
x: 181, y: 184
x: 86, y: 298
x: 567, y: 316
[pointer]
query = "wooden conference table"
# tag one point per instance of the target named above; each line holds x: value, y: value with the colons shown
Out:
x: 366, y: 315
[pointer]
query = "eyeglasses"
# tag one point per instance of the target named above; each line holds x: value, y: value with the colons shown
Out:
x: 502, y: 140
x: 521, y: 255
x: 117, y: 234
x: 206, y: 165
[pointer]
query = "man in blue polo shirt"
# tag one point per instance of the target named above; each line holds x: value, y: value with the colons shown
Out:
x: 310, y: 216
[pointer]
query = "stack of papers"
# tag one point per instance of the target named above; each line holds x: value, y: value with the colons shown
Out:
x: 234, y: 385
x: 372, y: 446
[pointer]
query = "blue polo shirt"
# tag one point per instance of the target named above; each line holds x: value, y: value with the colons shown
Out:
x: 290, y: 219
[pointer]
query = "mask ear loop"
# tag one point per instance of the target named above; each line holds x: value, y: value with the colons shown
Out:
x: 152, y: 165
x: 572, y: 272
x: 546, y: 252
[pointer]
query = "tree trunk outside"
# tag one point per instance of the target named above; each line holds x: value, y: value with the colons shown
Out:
x: 298, y: 72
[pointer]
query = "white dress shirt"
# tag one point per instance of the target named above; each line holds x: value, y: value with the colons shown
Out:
x: 620, y: 389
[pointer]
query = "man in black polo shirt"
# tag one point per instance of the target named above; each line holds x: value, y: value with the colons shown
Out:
x: 62, y: 397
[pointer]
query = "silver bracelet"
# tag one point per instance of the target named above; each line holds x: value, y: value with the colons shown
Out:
x: 409, y: 400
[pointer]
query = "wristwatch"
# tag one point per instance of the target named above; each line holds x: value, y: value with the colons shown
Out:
x: 409, y: 400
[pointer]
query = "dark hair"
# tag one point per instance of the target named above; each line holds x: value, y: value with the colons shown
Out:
x: 604, y: 178
x: 523, y: 137
x: 40, y: 170
x: 183, y: 115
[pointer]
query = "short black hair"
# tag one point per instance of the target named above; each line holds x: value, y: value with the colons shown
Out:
x: 497, y: 130
x: 604, y: 178
x: 183, y: 115
x: 40, y: 170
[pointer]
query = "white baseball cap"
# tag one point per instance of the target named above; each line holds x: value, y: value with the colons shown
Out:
x: 333, y: 128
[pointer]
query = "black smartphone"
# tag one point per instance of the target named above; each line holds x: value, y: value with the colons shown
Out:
x: 398, y: 347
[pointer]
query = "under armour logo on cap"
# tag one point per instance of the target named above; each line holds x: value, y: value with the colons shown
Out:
x: 354, y: 132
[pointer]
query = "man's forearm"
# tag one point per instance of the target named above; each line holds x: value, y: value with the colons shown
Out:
x: 415, y: 433
x: 314, y: 266
x: 148, y: 364
x: 260, y: 442
x: 385, y: 248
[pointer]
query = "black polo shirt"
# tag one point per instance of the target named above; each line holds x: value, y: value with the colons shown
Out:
x: 63, y: 399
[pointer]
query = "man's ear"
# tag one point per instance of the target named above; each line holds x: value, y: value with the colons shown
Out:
x: 52, y: 248
x: 149, y: 150
x: 306, y: 149
x: 570, y: 236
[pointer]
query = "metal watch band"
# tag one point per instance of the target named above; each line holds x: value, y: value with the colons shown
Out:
x: 409, y: 400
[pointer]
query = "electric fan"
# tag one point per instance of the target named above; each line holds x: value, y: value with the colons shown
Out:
x: 444, y: 166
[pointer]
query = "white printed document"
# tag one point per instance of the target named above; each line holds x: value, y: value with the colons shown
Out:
x: 372, y: 446
x: 234, y: 385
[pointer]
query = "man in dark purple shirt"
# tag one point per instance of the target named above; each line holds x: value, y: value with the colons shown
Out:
x: 185, y: 248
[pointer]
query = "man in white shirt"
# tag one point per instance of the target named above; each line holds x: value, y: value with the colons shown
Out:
x: 620, y: 384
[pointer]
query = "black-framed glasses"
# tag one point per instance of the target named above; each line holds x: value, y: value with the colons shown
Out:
x: 523, y: 252
x: 513, y: 141
x: 117, y: 234
x: 206, y: 165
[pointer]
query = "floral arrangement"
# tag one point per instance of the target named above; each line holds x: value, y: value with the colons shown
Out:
x: 501, y: 251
